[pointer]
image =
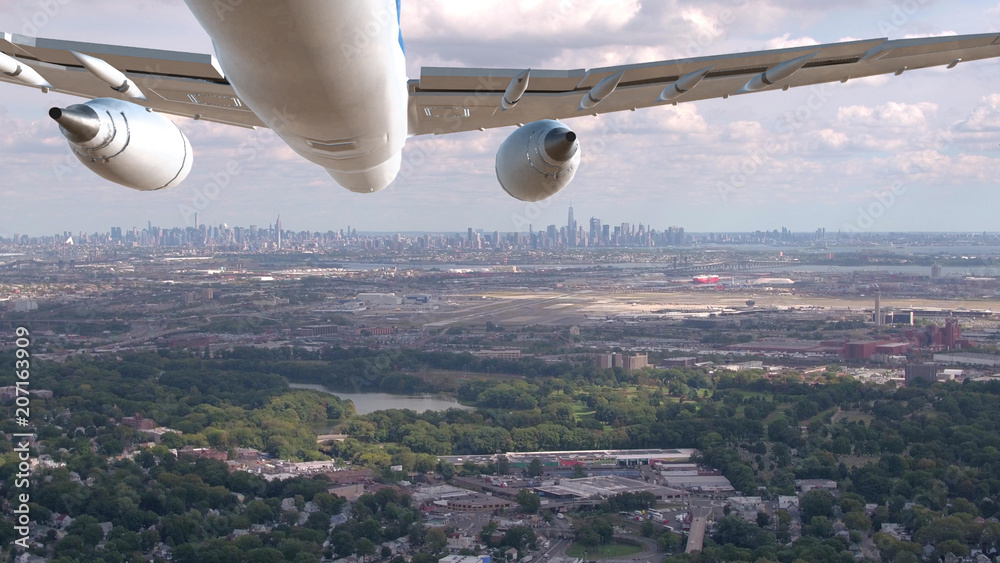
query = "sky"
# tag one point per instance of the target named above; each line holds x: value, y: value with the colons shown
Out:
x: 918, y: 152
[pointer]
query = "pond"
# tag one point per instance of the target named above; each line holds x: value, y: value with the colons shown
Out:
x: 365, y: 403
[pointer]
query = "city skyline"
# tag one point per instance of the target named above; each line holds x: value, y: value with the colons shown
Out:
x: 596, y: 233
x: 915, y: 152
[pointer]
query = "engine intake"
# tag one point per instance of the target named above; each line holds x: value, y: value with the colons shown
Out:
x: 538, y: 160
x: 125, y: 143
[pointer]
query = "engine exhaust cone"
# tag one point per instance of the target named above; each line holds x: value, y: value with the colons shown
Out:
x: 78, y: 123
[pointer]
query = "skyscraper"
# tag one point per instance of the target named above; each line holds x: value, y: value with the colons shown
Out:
x: 571, y: 228
x: 277, y: 227
x: 878, y: 306
x: 595, y: 230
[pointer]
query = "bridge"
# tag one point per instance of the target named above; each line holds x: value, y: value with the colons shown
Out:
x: 738, y: 265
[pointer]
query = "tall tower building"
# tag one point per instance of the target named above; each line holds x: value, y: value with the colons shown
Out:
x: 571, y: 228
x: 277, y: 228
x: 878, y: 306
x: 595, y: 230
x: 951, y: 334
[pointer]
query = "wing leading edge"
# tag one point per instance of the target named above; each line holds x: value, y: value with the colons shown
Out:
x: 450, y: 100
x: 186, y: 84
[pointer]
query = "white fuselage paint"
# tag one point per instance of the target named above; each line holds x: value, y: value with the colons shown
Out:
x: 328, y: 76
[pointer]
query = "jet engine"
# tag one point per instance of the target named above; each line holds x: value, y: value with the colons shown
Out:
x: 125, y: 143
x: 538, y: 160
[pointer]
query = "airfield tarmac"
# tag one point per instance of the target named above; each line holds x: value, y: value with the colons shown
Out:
x: 568, y: 307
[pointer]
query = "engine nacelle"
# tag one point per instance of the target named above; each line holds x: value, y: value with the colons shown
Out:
x: 126, y: 143
x: 538, y: 160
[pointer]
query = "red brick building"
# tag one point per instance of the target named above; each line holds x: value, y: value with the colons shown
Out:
x: 138, y: 422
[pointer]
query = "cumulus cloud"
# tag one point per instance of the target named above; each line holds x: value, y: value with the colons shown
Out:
x: 462, y: 19
x: 891, y: 114
x: 786, y: 41
x: 984, y: 117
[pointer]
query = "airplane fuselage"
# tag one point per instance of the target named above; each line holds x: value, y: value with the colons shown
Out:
x: 329, y: 77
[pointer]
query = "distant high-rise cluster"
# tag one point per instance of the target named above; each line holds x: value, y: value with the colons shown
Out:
x: 628, y: 362
x: 275, y: 237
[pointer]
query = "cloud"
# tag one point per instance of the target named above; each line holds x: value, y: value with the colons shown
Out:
x: 461, y: 19
x: 786, y: 42
x: 984, y: 117
x: 891, y: 114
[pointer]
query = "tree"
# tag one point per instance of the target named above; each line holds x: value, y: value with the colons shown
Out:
x: 857, y: 520
x: 763, y: 519
x: 503, y: 465
x: 417, y: 533
x: 528, y: 500
x: 87, y: 528
x: 364, y: 547
x: 486, y: 534
x: 588, y: 536
x: 816, y: 503
x: 343, y: 543
x: 820, y: 527
x: 535, y: 468
x: 436, y: 540
x: 446, y: 470
x: 520, y: 538
x: 594, y: 531
x: 733, y: 530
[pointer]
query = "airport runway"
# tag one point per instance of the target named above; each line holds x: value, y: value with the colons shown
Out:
x: 566, y: 308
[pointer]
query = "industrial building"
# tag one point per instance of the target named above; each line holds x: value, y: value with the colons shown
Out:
x: 691, y: 477
x: 459, y: 500
x: 604, y: 487
x: 923, y: 372
x: 861, y: 350
x: 585, y: 458
x: 380, y: 299
x: 970, y: 359
x: 499, y: 354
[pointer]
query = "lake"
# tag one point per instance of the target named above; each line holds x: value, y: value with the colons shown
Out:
x: 365, y: 403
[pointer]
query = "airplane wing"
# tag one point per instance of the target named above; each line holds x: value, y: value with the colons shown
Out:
x: 449, y: 100
x: 186, y: 84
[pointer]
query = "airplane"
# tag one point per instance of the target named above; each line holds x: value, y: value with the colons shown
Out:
x: 329, y: 79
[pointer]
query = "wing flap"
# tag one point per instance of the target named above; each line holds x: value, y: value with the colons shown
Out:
x: 473, y: 96
x: 126, y: 59
x: 492, y: 80
x: 185, y: 84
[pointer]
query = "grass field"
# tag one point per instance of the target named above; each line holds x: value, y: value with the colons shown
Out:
x: 581, y: 410
x: 603, y: 552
